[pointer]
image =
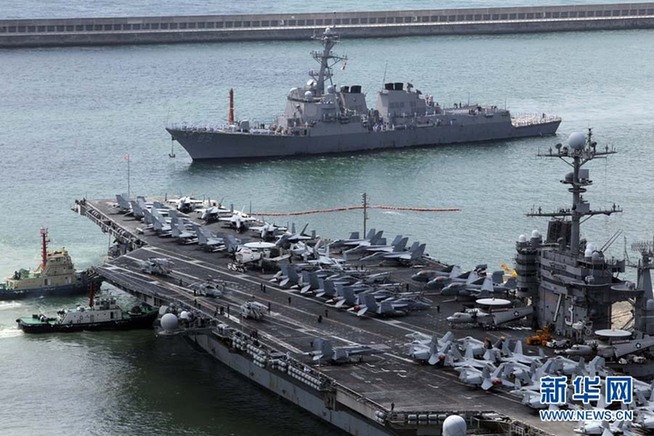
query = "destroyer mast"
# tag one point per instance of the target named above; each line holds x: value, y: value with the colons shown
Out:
x: 326, y: 59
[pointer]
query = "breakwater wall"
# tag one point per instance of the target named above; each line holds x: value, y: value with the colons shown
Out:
x: 223, y: 28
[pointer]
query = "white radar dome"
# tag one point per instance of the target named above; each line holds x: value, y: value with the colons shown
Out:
x: 183, y: 315
x: 535, y: 234
x: 588, y: 252
x: 577, y: 140
x: 169, y: 322
x: 522, y: 238
x: 330, y: 89
x: 454, y: 425
x: 308, y: 95
x: 590, y: 246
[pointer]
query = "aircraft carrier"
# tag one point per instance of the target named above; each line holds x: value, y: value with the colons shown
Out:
x: 382, y: 393
x: 386, y: 391
x: 321, y: 119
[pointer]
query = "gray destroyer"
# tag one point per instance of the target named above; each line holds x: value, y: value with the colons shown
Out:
x: 321, y: 119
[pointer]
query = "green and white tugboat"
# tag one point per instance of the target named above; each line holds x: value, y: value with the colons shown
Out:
x: 55, y: 276
x: 102, y: 314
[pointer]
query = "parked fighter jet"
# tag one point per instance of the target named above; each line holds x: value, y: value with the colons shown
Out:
x: 370, y: 305
x: 483, y: 378
x: 267, y: 231
x: 355, y: 240
x: 427, y: 348
x: 122, y: 204
x: 322, y: 349
x: 209, y: 242
x: 157, y: 266
x: 238, y: 221
x: 187, y: 204
x: 484, y: 287
x: 181, y: 234
x: 287, y: 276
x: 425, y: 276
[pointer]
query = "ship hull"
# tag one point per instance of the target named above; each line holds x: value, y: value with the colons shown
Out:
x: 31, y: 325
x: 288, y: 386
x: 202, y: 144
x: 79, y: 288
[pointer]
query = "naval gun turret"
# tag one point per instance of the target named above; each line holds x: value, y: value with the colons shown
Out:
x: 570, y: 281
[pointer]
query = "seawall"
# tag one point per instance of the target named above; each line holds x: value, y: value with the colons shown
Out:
x: 378, y: 24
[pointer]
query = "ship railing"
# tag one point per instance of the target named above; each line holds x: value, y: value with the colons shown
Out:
x: 531, y: 119
x: 210, y: 128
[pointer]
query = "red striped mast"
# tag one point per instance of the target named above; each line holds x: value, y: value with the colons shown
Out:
x: 44, y: 248
x: 231, y: 107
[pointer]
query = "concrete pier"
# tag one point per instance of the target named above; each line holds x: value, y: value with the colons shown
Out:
x: 257, y: 27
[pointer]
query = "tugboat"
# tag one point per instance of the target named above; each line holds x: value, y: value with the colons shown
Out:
x: 103, y: 314
x: 55, y: 275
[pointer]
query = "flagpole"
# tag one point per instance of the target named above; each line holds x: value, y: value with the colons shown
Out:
x: 128, y: 190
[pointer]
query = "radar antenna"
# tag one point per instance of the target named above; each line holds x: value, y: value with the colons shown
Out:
x: 579, y: 150
x: 326, y: 59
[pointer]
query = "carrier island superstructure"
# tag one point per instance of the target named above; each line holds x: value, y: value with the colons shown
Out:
x: 571, y: 283
x: 321, y: 118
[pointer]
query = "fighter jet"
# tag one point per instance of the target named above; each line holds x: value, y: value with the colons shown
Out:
x: 370, y: 305
x: 182, y: 234
x: 187, y: 204
x: 483, y: 378
x: 375, y: 247
x: 518, y: 356
x: 267, y: 231
x: 354, y: 240
x: 238, y: 221
x: 323, y: 350
x: 287, y: 276
x: 209, y: 242
x: 122, y: 204
x: 293, y: 237
x: 380, y: 252
x: 424, y: 276
x: 427, y: 348
x: 157, y: 266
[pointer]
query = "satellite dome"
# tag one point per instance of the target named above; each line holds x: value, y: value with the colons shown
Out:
x: 588, y: 252
x: 535, y: 234
x: 576, y: 140
x: 183, y: 315
x: 597, y: 256
x: 169, y: 322
x: 292, y: 91
x: 590, y: 246
x: 330, y: 89
x: 308, y: 95
x: 454, y: 425
x: 522, y: 238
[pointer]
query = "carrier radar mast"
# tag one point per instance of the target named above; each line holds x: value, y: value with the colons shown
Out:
x: 326, y: 59
x: 578, y: 152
